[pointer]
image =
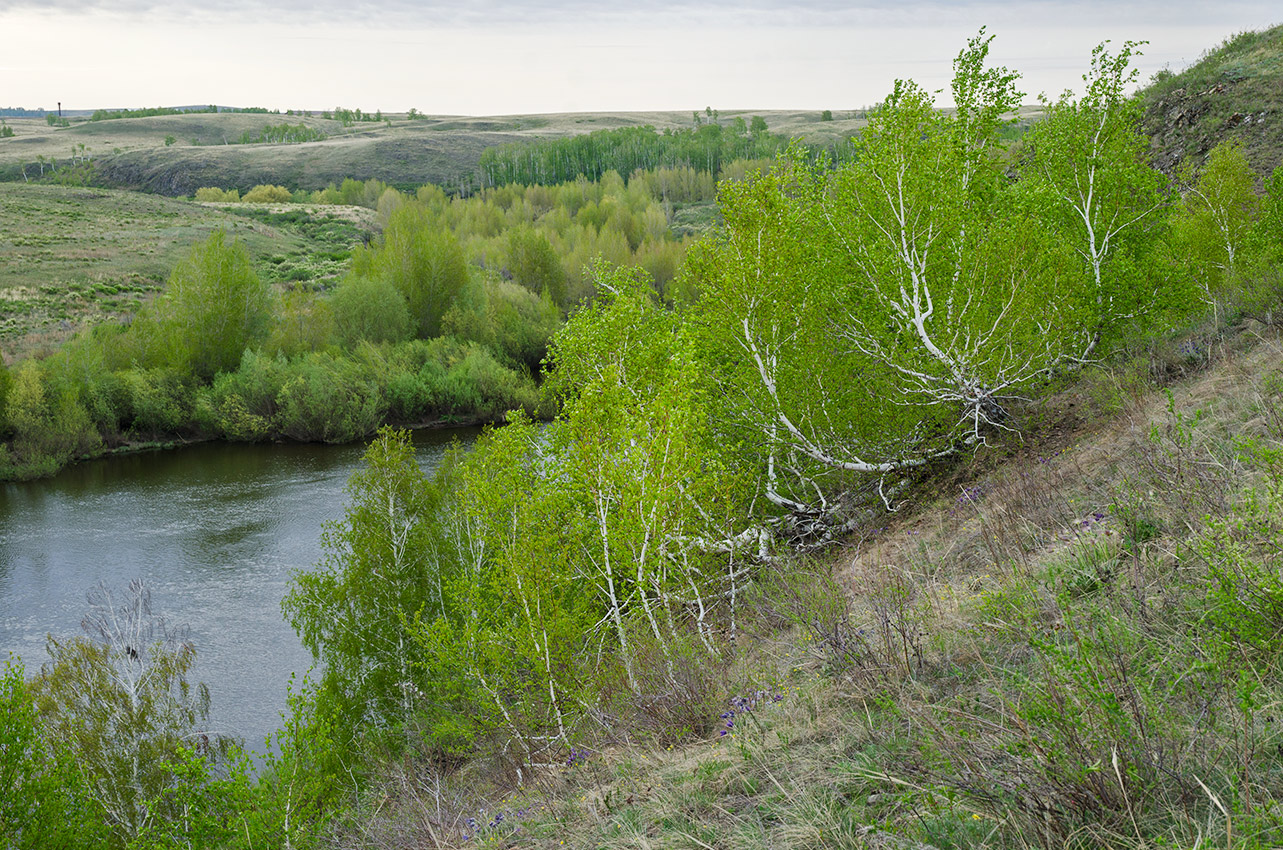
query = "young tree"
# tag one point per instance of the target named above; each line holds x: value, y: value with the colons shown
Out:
x: 422, y: 259
x: 121, y: 702
x: 535, y: 265
x: 352, y: 611
x: 1086, y: 167
x: 214, y: 308
x: 42, y: 807
x: 372, y: 309
x: 1215, y: 220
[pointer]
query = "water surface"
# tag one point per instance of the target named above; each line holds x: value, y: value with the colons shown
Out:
x: 215, y: 530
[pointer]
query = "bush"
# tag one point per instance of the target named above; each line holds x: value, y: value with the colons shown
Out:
x: 211, y: 194
x: 6, y: 382
x: 49, y: 423
x: 329, y: 399
x: 160, y: 401
x: 214, y: 307
x: 268, y: 194
x: 513, y: 322
x: 242, y: 405
x: 369, y: 309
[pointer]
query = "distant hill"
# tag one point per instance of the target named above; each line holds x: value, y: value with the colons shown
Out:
x: 177, y: 154
x: 1235, y: 91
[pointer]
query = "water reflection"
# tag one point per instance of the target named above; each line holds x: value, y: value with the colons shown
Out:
x: 215, y: 530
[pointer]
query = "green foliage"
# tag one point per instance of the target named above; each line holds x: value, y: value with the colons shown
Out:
x: 265, y: 194
x: 535, y: 265
x: 624, y: 151
x: 6, y: 384
x: 423, y: 261
x: 50, y: 425
x: 1086, y: 170
x: 911, y: 272
x: 303, y: 322
x: 43, y: 804
x: 380, y: 571
x: 348, y: 117
x: 329, y: 399
x: 146, y: 112
x: 1213, y: 226
x: 508, y: 319
x: 213, y: 194
x: 282, y: 134
x: 370, y: 308
x: 121, y: 703
x: 300, y: 784
x: 213, y: 308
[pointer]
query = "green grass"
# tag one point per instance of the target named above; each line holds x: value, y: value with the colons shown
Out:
x: 1234, y: 91
x: 74, y: 256
x: 1076, y: 650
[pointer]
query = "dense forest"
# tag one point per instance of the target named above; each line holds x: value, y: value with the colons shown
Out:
x: 689, y: 424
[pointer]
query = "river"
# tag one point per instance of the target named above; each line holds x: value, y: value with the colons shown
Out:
x: 215, y: 530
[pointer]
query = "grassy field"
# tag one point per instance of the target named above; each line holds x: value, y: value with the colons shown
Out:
x: 70, y: 257
x: 131, y: 152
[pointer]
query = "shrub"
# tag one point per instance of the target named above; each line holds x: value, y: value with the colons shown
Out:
x: 268, y: 194
x: 214, y: 307
x: 49, y: 423
x: 328, y: 399
x: 212, y: 194
x: 159, y: 401
x: 369, y: 309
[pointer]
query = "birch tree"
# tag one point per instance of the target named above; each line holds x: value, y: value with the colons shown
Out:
x: 1215, y: 220
x: 1086, y: 167
x: 121, y: 700
x: 944, y: 282
x: 870, y: 318
x: 351, y: 610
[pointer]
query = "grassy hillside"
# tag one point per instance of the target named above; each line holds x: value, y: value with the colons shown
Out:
x: 132, y: 153
x: 1235, y: 91
x: 70, y: 257
x: 1015, y: 658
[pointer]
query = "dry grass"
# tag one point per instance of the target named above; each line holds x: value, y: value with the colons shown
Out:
x: 950, y: 680
x: 438, y: 149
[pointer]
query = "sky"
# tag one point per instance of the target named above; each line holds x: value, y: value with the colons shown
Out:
x: 501, y: 57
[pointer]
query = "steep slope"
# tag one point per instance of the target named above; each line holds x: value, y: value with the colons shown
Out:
x: 1234, y: 91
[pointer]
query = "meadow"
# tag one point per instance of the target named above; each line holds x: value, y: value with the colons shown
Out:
x: 74, y: 257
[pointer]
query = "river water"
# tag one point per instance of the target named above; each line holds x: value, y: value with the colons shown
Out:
x: 215, y: 530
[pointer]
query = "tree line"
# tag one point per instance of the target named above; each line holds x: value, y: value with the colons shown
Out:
x: 625, y: 150
x: 447, y: 315
x: 576, y: 580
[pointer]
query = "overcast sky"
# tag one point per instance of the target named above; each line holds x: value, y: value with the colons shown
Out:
x: 519, y: 56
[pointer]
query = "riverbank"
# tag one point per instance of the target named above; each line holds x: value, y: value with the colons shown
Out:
x: 1049, y: 644
x: 216, y: 530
